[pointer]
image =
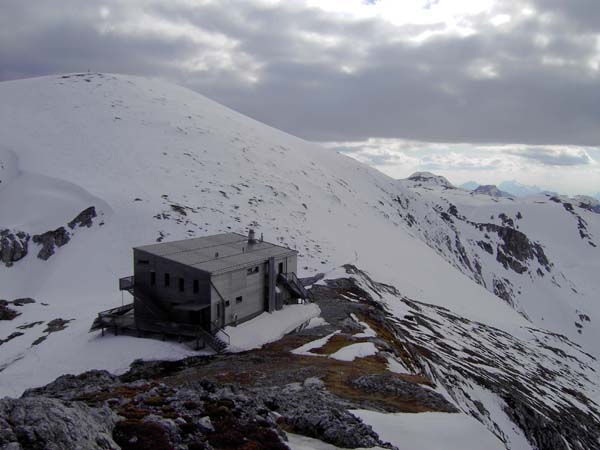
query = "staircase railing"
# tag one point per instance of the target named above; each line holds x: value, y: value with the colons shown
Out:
x: 293, y: 284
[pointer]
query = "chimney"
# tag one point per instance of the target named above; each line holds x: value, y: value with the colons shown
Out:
x: 251, y: 237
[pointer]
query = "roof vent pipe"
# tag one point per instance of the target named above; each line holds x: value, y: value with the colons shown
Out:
x: 251, y: 237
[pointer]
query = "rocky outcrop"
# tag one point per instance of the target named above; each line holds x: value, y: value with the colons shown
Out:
x: 541, y: 382
x: 516, y: 249
x: 7, y: 313
x: 205, y: 414
x: 49, y: 424
x: 83, y: 219
x: 50, y: 240
x: 13, y: 246
x: 389, y: 385
x: 502, y: 289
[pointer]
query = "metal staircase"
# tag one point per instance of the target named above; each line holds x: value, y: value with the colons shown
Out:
x: 291, y: 282
x: 218, y: 340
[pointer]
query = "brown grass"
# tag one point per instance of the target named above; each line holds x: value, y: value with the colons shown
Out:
x: 120, y: 392
x: 387, y: 335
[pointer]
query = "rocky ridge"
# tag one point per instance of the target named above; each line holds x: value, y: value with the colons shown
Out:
x: 248, y: 400
x: 14, y: 244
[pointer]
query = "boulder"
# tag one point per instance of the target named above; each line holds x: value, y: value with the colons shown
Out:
x: 51, y: 424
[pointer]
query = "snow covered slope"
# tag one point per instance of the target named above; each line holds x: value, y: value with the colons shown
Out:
x: 94, y: 164
x: 540, y: 254
x: 161, y: 162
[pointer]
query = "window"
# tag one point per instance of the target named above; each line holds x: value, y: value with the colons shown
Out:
x: 227, y: 304
x: 167, y: 280
x: 238, y: 299
x: 152, y: 278
x: 143, y: 262
x: 280, y: 267
x: 253, y: 270
x: 196, y: 286
x: 181, y: 285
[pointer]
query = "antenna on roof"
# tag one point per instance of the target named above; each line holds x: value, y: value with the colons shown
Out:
x: 261, y: 237
x: 251, y: 237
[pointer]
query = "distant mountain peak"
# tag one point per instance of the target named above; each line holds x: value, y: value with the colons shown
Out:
x: 491, y: 190
x: 517, y: 189
x: 431, y: 179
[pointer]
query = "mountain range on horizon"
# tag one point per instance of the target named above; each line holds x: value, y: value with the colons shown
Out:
x: 511, y: 187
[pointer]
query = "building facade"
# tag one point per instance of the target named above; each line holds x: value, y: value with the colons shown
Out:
x: 211, y: 282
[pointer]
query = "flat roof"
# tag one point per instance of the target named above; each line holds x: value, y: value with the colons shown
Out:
x: 218, y: 253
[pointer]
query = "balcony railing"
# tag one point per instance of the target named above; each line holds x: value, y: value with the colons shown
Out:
x: 126, y: 283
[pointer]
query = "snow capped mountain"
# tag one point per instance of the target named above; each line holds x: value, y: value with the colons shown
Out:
x: 94, y: 164
x: 491, y: 190
x: 430, y: 179
x: 517, y: 189
x: 511, y: 187
x: 159, y: 162
x: 537, y: 253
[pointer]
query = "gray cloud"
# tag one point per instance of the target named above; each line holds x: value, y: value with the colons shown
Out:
x: 555, y: 157
x: 329, y: 78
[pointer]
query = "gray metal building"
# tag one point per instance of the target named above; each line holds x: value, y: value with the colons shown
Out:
x: 209, y: 282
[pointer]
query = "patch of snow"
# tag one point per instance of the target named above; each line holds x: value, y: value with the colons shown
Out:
x: 353, y: 351
x: 396, y: 366
x: 270, y: 327
x: 316, y: 322
x: 430, y: 431
x: 317, y: 343
x: 367, y: 332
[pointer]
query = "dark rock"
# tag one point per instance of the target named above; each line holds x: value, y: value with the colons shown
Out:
x: 39, y: 340
x: 13, y: 246
x: 10, y: 337
x: 23, y: 301
x: 486, y: 246
x: 502, y: 290
x: 30, y: 325
x: 516, y: 248
x: 84, y: 218
x: 56, y: 325
x: 138, y: 435
x: 49, y: 240
x: 7, y: 313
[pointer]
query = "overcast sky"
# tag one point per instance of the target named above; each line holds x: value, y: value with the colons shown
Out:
x: 485, y: 90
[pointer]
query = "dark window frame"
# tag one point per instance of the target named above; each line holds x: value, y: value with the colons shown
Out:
x: 252, y: 270
x: 239, y: 299
x: 281, y: 267
x: 167, y: 279
x: 152, y: 278
x: 181, y: 284
x: 196, y: 286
